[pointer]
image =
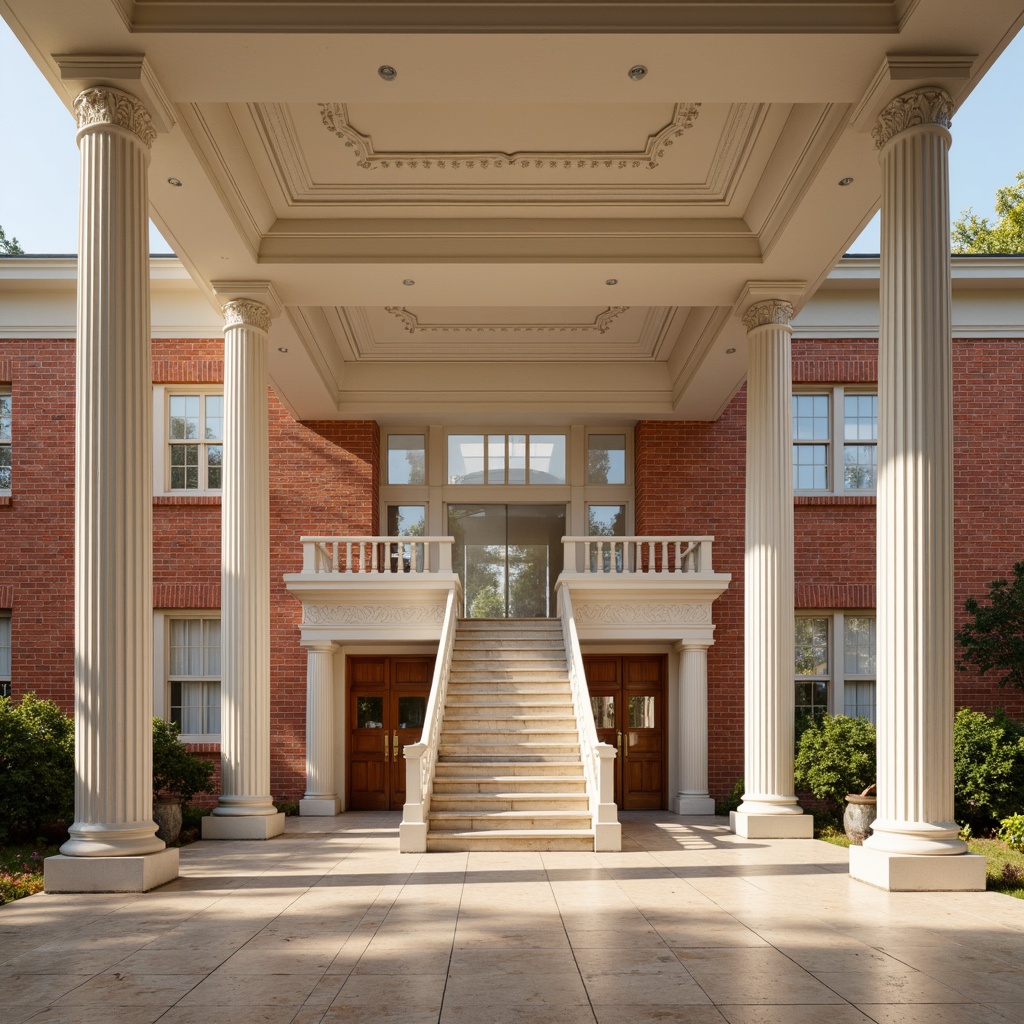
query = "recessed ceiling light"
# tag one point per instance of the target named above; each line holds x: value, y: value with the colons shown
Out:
x: 282, y: 348
x: 174, y: 181
x: 729, y: 351
x: 408, y: 282
x: 636, y: 72
x: 845, y: 181
x: 612, y: 280
x: 387, y: 72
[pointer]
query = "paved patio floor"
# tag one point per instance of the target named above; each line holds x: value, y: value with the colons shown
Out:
x: 328, y: 923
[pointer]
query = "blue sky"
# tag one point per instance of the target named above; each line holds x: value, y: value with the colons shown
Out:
x: 39, y: 171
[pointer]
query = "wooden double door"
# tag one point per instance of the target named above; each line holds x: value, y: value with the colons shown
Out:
x: 628, y: 694
x: 387, y: 699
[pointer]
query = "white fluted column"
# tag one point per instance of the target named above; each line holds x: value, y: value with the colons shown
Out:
x: 914, y: 844
x: 321, y: 797
x: 245, y: 809
x: 769, y: 808
x: 113, y: 842
x: 693, y: 797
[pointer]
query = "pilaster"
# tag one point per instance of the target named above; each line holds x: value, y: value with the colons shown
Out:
x: 113, y: 512
x: 769, y: 808
x: 321, y: 796
x: 693, y: 796
x: 245, y: 809
x: 914, y: 844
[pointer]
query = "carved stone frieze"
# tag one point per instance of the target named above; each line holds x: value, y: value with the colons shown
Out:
x: 335, y: 119
x: 643, y: 613
x: 771, y: 311
x: 600, y: 324
x: 105, y: 105
x: 922, y: 106
x: 246, y: 313
x: 371, y: 615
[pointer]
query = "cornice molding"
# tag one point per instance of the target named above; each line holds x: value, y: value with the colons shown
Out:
x: 912, y: 109
x: 600, y: 324
x: 104, y: 105
x: 336, y: 120
x: 776, y: 312
x: 247, y: 313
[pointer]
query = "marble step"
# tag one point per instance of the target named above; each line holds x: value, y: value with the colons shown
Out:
x: 479, y: 821
x: 510, y: 840
x: 497, y: 768
x: 514, y: 726
x: 503, y: 784
x: 474, y: 803
x: 474, y: 644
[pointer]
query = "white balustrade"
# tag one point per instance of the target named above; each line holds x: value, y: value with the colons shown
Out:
x: 627, y: 556
x: 598, y: 757
x: 351, y: 556
x: 421, y: 758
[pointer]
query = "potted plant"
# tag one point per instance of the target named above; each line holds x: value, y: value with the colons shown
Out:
x: 178, y: 775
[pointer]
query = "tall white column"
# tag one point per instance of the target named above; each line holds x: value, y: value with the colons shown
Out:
x: 769, y: 808
x: 113, y: 842
x: 321, y: 797
x: 914, y: 844
x: 245, y: 809
x: 693, y: 796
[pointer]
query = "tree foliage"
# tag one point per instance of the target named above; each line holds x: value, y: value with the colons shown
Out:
x: 988, y: 767
x: 993, y: 637
x: 9, y: 246
x: 836, y: 756
x: 37, y: 766
x: 974, y: 234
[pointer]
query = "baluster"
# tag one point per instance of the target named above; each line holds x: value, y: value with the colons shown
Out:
x: 334, y: 556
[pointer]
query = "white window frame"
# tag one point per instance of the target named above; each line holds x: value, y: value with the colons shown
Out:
x: 162, y: 394
x: 162, y: 666
x: 836, y: 443
x: 6, y: 641
x: 5, y: 392
x: 835, y: 676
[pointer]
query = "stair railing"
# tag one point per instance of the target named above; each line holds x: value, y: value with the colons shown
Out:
x: 598, y: 757
x: 421, y: 758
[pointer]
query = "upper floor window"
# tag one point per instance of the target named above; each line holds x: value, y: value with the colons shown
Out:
x: 606, y: 458
x: 407, y: 459
x: 195, y: 442
x: 5, y: 439
x: 5, y: 654
x: 835, y: 665
x: 835, y: 441
x: 506, y: 459
x: 193, y: 676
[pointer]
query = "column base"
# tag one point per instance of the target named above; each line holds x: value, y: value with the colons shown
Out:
x: 319, y: 807
x: 902, y: 872
x: 771, y: 826
x: 684, y: 804
x: 243, y: 826
x: 109, y: 874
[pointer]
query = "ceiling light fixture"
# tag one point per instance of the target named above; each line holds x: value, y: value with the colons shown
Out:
x: 387, y: 72
x: 729, y: 351
x: 408, y: 282
x: 612, y: 280
x: 282, y: 348
x: 174, y: 181
x: 636, y: 72
x: 845, y: 181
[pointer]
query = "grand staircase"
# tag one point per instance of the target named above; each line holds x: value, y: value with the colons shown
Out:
x: 509, y: 774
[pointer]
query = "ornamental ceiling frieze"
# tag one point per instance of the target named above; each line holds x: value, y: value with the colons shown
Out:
x: 601, y: 323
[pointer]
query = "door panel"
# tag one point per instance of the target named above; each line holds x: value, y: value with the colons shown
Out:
x: 387, y: 701
x: 628, y: 696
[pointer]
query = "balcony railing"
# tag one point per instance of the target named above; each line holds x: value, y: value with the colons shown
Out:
x: 365, y: 556
x: 632, y: 556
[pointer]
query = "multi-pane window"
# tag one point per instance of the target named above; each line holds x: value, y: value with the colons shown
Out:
x: 5, y: 654
x: 835, y: 441
x: 606, y: 458
x: 835, y: 665
x: 195, y: 437
x: 506, y: 459
x: 5, y: 439
x: 407, y: 459
x: 194, y: 675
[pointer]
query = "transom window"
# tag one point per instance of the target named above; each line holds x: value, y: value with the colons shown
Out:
x: 195, y: 439
x: 823, y: 464
x: 506, y: 459
x: 606, y: 458
x: 5, y: 654
x: 193, y: 675
x: 5, y: 439
x: 407, y: 459
x: 835, y: 666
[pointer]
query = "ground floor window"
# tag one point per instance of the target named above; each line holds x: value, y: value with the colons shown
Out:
x: 5, y: 654
x: 835, y: 665
x: 193, y: 677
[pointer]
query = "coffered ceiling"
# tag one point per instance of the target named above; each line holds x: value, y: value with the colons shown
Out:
x: 512, y: 225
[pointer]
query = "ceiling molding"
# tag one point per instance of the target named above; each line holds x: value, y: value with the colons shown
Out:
x: 600, y: 324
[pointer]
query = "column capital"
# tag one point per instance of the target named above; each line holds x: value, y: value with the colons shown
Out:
x: 692, y: 645
x: 768, y: 312
x: 320, y: 646
x: 927, y: 106
x: 247, y: 313
x: 104, y: 105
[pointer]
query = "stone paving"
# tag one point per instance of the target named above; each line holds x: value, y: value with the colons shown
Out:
x: 330, y: 924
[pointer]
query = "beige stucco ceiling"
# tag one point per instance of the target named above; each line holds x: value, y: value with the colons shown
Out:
x: 509, y: 172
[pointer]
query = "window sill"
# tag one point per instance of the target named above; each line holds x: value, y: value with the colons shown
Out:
x: 204, y: 747
x: 834, y: 499
x: 186, y: 499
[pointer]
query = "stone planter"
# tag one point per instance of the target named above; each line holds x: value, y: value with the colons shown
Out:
x: 859, y: 814
x: 167, y: 815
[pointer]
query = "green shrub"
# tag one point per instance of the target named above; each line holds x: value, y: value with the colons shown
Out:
x: 1011, y: 831
x: 836, y: 756
x: 988, y: 767
x: 176, y: 771
x: 37, y: 766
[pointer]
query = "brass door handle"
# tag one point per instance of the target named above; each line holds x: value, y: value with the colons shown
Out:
x: 387, y: 752
x: 394, y: 745
x: 618, y: 740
